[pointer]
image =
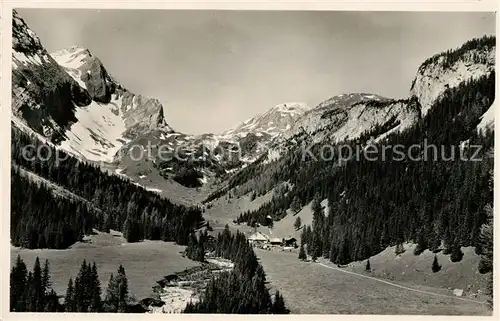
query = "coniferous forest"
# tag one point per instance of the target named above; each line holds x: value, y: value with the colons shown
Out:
x: 375, y: 204
x: 31, y: 291
x: 41, y: 217
x: 242, y: 290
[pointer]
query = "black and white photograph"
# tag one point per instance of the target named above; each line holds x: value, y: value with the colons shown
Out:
x: 174, y: 161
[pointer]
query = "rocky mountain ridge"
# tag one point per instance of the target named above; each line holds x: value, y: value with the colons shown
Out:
x: 70, y: 98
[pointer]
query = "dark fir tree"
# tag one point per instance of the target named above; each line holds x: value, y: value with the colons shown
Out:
x: 303, y: 236
x: 314, y: 256
x: 195, y: 249
x: 31, y: 292
x: 111, y: 298
x: 37, y: 287
x: 95, y: 303
x: 317, y: 228
x: 117, y: 295
x: 69, y: 298
x: 279, y: 304
x: 486, y: 243
x: 456, y: 254
x: 421, y: 244
x: 123, y: 295
x: 52, y: 302
x: 298, y: 223
x: 302, y: 253
x: 435, y: 265
x: 18, y: 286
x: 309, y: 240
x: 295, y: 206
x: 85, y: 288
x: 46, y: 284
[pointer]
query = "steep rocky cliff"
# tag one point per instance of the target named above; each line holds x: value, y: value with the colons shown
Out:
x: 69, y: 97
x: 448, y: 69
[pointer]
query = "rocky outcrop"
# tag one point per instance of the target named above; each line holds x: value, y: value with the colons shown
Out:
x: 95, y: 78
x: 69, y: 97
x: 474, y: 59
x: 44, y: 96
x: 348, y: 116
x: 88, y: 71
x: 142, y: 114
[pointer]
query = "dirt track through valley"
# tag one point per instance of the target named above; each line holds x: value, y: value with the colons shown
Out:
x: 400, y: 286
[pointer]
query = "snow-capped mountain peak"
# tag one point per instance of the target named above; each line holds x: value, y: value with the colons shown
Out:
x: 73, y: 57
x: 273, y: 122
x: 291, y: 108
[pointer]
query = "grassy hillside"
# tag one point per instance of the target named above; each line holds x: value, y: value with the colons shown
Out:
x: 310, y: 288
x: 414, y: 269
x: 285, y: 226
x: 224, y: 210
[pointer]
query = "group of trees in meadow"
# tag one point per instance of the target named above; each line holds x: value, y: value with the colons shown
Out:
x: 32, y: 291
x: 43, y: 216
x: 196, y: 247
x: 242, y: 290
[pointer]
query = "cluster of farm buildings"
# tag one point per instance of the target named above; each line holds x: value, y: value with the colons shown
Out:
x: 262, y: 240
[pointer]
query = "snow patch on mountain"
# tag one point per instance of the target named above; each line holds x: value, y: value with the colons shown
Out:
x: 71, y: 59
x: 97, y: 135
x: 21, y: 58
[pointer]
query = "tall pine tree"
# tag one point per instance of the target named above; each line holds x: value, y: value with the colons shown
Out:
x: 18, y: 286
x: 69, y: 298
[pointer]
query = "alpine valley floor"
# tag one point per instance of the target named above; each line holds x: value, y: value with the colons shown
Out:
x: 321, y: 288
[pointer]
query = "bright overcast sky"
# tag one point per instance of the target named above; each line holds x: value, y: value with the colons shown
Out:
x: 214, y: 69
